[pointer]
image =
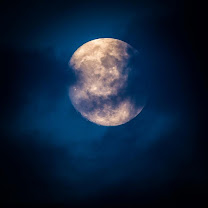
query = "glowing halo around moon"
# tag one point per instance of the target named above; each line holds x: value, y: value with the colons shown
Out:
x: 100, y: 92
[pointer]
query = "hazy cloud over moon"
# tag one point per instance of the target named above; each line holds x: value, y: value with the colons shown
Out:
x: 102, y: 68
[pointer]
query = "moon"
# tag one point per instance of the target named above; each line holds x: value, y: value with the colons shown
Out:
x: 103, y: 70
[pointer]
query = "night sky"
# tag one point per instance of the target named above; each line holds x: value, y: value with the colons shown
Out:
x: 52, y: 156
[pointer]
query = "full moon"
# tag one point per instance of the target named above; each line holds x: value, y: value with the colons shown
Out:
x: 103, y: 85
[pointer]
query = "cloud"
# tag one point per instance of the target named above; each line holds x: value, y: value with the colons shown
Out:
x: 51, y: 146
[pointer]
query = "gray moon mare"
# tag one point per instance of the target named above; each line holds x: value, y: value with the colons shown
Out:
x: 103, y: 91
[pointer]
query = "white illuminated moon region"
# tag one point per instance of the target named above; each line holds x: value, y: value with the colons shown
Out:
x: 100, y: 91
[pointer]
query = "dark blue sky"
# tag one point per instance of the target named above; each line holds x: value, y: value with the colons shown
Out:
x: 50, y: 154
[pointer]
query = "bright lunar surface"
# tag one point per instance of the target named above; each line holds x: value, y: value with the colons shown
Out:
x: 101, y: 92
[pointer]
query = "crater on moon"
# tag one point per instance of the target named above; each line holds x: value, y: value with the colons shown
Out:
x: 103, y: 91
